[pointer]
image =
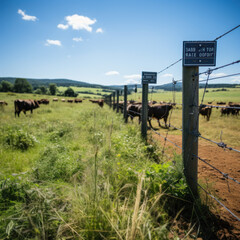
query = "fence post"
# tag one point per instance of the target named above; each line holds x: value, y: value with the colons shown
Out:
x: 110, y: 101
x: 190, y: 125
x: 144, y: 116
x: 117, y: 101
x: 125, y: 104
x: 114, y: 105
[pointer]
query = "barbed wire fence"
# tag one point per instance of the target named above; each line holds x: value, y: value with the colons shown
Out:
x: 131, y: 112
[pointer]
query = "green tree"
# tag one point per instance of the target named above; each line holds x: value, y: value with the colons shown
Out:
x: 52, y: 88
x: 43, y: 89
x: 21, y: 85
x: 70, y: 93
x: 6, y: 86
x: 38, y: 91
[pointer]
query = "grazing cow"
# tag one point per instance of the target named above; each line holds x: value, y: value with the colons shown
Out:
x: 2, y: 103
x: 205, y: 111
x: 55, y: 99
x: 76, y: 100
x: 70, y: 100
x: 159, y: 111
x: 63, y: 100
x: 211, y: 102
x: 152, y: 102
x: 100, y: 102
x: 134, y: 110
x: 43, y: 101
x: 221, y: 103
x: 235, y: 108
x: 225, y: 111
x: 25, y: 105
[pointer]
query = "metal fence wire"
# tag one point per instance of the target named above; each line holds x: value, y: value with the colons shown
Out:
x: 220, y: 144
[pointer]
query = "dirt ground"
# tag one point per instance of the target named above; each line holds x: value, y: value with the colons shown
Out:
x: 225, y: 190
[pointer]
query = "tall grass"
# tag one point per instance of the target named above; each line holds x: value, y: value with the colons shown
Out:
x: 87, y: 176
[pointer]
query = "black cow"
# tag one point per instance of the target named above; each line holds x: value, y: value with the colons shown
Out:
x: 205, y: 111
x: 2, y: 103
x: 134, y: 110
x: 25, y: 105
x: 159, y: 111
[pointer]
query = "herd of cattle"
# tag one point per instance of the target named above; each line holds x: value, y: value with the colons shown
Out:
x: 155, y: 110
x: 29, y: 105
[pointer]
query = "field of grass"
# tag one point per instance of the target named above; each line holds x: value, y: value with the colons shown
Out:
x: 76, y: 171
x: 93, y: 92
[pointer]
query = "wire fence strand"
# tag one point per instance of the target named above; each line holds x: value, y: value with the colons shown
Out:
x: 219, y: 202
x: 227, y: 32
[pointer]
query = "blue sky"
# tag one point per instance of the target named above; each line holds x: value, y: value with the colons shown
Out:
x: 112, y: 41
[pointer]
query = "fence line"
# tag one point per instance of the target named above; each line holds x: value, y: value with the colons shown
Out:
x: 219, y: 202
x: 210, y: 70
x: 227, y: 33
x: 219, y: 144
x: 197, y: 112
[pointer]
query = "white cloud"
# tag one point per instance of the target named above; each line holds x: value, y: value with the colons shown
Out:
x: 167, y: 75
x: 131, y: 81
x: 62, y: 26
x: 213, y: 75
x: 99, y: 30
x: 77, y: 39
x: 25, y: 16
x: 235, y: 79
x: 78, y: 22
x: 133, y: 76
x: 53, y: 42
x: 111, y: 73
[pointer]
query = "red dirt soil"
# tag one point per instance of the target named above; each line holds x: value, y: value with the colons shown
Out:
x: 225, y: 190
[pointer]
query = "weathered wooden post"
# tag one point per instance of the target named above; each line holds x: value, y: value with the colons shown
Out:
x: 195, y: 54
x: 190, y: 125
x: 117, y: 101
x: 114, y: 104
x: 147, y: 77
x: 144, y: 113
x: 125, y: 104
x: 110, y: 100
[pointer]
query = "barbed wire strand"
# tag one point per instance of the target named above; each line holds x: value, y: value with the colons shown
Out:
x: 170, y: 65
x: 166, y: 138
x: 230, y: 75
x: 219, y: 202
x: 220, y: 144
x: 226, y: 33
x: 220, y: 67
x: 225, y: 175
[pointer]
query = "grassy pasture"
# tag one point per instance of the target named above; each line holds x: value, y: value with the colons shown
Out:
x: 93, y: 91
x: 76, y: 171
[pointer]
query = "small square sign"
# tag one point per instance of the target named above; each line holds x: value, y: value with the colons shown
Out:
x: 149, y: 77
x: 199, y: 53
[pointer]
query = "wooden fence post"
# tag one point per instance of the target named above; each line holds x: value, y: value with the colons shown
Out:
x: 144, y: 116
x: 114, y: 104
x: 110, y: 101
x: 117, y: 101
x: 125, y: 104
x: 190, y: 116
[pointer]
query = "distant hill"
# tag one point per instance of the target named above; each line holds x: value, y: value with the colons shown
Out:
x: 68, y: 82
x: 59, y: 82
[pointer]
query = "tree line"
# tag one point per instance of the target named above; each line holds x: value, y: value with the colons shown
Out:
x: 21, y: 85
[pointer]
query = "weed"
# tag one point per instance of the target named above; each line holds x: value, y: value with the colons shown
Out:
x: 54, y: 163
x: 19, y: 139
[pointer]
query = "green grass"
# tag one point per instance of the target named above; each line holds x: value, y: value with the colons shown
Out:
x: 93, y: 92
x: 76, y: 171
